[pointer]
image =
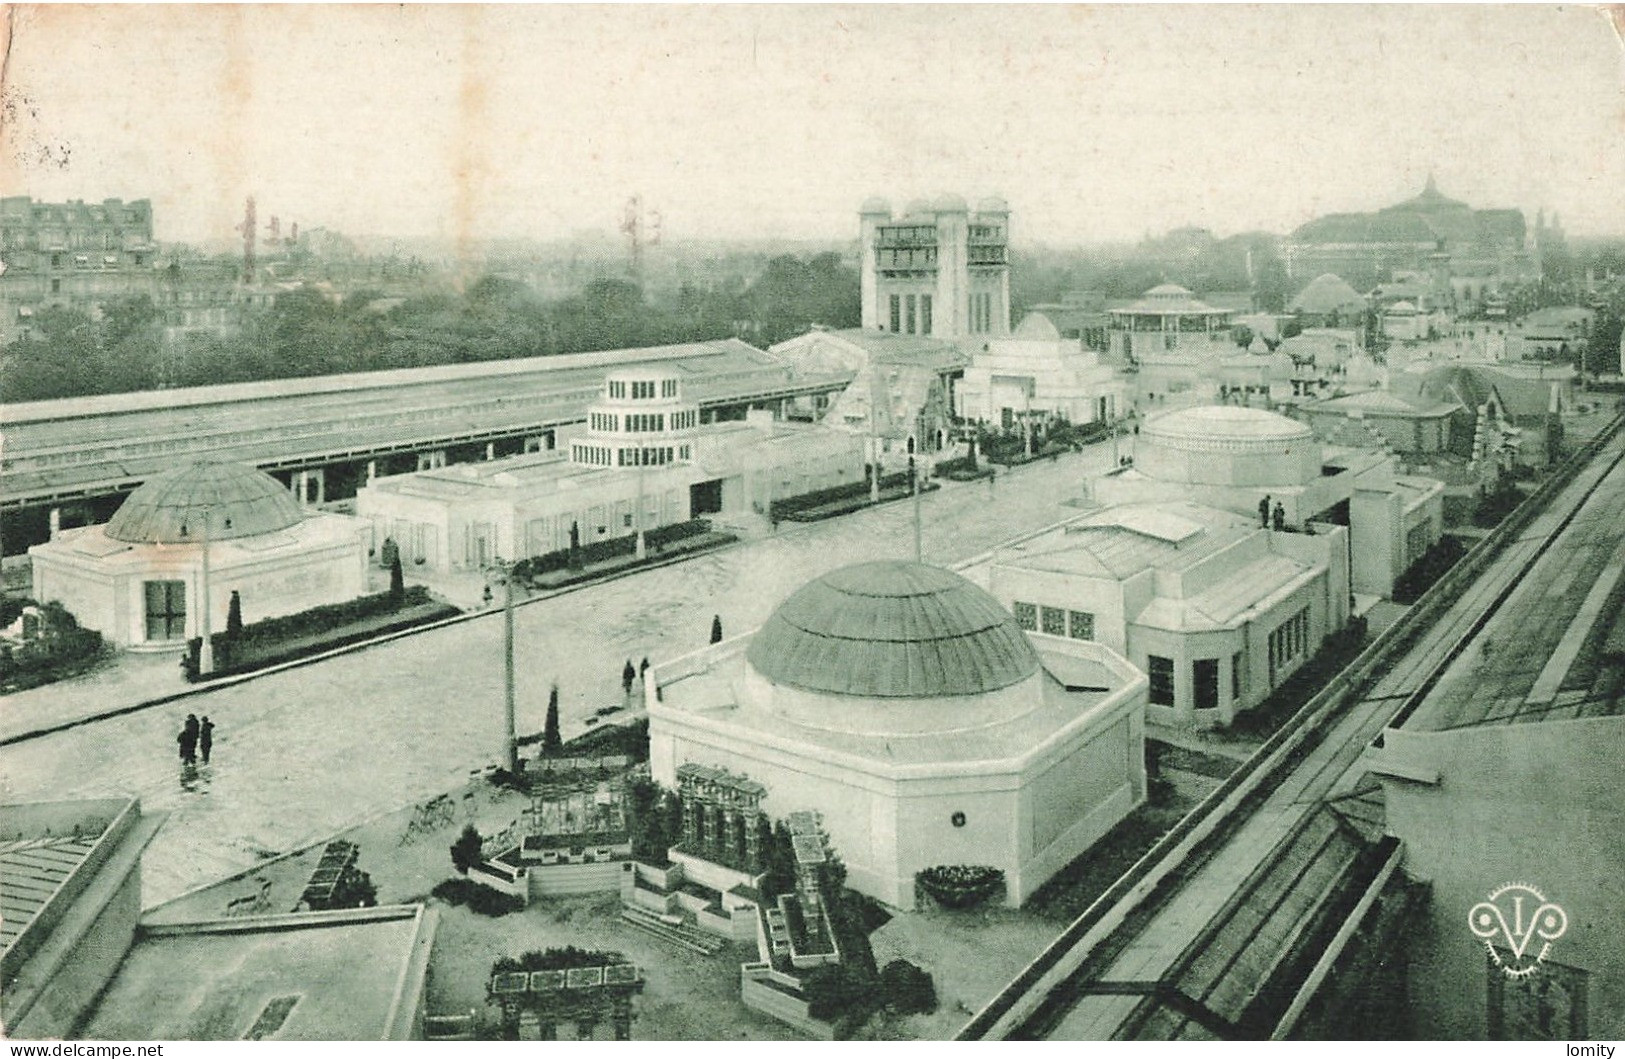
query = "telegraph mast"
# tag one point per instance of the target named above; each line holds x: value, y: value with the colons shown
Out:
x: 641, y: 229
x: 247, y: 228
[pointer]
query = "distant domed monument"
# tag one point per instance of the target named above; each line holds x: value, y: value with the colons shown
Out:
x: 904, y: 705
x: 138, y: 578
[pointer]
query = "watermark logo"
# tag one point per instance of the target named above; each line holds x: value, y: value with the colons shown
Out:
x: 1518, y: 914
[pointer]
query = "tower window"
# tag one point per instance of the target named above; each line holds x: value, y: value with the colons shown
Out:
x: 896, y: 313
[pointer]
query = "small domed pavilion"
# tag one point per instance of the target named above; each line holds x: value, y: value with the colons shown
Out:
x: 904, y: 705
x: 138, y: 578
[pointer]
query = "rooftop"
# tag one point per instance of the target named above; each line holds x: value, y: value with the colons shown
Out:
x: 1386, y: 402
x: 1229, y: 422
x: 1125, y: 539
x: 892, y: 630
x: 1170, y: 299
x: 1075, y: 680
x: 217, y: 501
x: 315, y: 976
x: 1327, y: 293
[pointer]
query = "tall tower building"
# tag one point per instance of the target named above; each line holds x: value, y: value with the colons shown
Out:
x: 939, y: 270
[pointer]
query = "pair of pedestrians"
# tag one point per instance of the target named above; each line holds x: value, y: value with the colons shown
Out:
x: 196, y: 736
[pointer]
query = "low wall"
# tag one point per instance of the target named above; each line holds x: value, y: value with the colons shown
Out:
x: 501, y: 877
x: 559, y: 879
x: 667, y: 878
x: 707, y: 874
x: 759, y: 996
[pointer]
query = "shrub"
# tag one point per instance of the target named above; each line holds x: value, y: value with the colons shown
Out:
x: 60, y: 649
x: 465, y: 852
x: 478, y: 897
x: 355, y: 889
x: 552, y: 743
x: 908, y: 989
x: 834, y: 991
x: 960, y: 885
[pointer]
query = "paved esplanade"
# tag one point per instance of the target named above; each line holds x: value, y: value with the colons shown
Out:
x: 300, y: 754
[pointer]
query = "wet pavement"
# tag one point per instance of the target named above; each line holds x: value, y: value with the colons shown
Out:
x: 306, y: 752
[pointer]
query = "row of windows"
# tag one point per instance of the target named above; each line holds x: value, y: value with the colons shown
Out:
x: 643, y: 390
x: 1204, y: 680
x: 911, y: 314
x: 1289, y: 640
x: 1054, y: 621
x: 907, y: 258
x: 592, y: 455
x: 647, y: 457
x: 908, y: 235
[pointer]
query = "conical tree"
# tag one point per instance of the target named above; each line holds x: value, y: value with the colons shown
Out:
x: 552, y: 743
x: 716, y: 628
x: 397, y: 582
x: 234, y: 614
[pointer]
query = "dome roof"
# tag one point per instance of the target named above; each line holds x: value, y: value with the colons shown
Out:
x: 238, y: 501
x: 1327, y: 293
x: 1037, y: 327
x: 875, y: 204
x: 892, y: 630
x: 1225, y: 422
x: 951, y: 204
x: 993, y: 204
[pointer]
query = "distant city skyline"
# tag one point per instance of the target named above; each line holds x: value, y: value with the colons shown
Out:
x: 1098, y: 124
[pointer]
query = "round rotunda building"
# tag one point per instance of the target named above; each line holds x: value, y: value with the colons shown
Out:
x: 901, y: 703
x: 139, y: 578
x: 1227, y: 445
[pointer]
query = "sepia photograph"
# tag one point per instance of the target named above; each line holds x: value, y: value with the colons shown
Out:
x: 811, y: 523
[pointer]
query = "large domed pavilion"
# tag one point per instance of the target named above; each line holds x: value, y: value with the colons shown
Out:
x: 138, y: 578
x: 903, y: 704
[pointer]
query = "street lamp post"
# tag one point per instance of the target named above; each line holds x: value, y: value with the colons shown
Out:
x: 205, y: 663
x: 915, y: 462
x: 503, y: 573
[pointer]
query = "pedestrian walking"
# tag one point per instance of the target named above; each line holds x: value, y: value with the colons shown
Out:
x: 205, y: 737
x: 188, y: 740
x: 628, y: 674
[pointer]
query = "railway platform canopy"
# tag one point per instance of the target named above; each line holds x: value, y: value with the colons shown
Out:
x: 94, y: 446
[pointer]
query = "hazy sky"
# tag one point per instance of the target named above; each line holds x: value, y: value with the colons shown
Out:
x: 1097, y: 123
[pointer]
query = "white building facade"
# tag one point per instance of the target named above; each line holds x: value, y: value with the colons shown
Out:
x: 1216, y: 610
x: 1037, y: 372
x: 202, y: 531
x: 1249, y: 461
x: 901, y: 703
x: 643, y: 461
x: 939, y: 270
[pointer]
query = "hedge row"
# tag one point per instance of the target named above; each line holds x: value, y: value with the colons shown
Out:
x: 787, y: 508
x: 614, y: 548
x: 318, y: 629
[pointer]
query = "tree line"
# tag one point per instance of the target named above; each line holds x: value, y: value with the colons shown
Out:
x: 306, y: 332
